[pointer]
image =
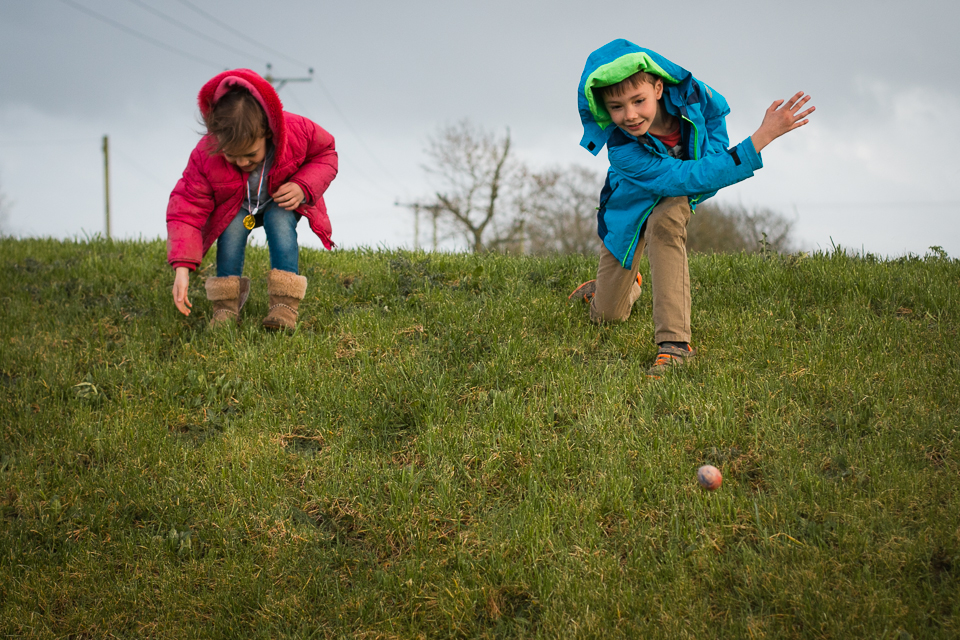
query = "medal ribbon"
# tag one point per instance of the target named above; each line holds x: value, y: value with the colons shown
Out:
x: 250, y: 220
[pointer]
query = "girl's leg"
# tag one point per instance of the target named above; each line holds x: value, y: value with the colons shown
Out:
x: 228, y: 291
x: 231, y: 246
x: 281, y: 228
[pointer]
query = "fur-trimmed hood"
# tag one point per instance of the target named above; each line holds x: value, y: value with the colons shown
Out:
x: 262, y: 90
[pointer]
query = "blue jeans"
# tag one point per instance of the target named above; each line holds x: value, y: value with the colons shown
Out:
x: 281, y: 228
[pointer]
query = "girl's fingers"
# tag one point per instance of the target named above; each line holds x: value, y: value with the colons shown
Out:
x: 289, y: 196
x: 288, y: 202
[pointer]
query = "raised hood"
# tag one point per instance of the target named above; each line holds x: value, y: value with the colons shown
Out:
x: 262, y: 90
x: 610, y: 64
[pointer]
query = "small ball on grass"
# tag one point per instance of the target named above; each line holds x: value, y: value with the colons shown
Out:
x: 709, y: 477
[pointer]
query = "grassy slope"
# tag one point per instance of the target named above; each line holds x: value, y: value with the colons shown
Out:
x: 447, y: 448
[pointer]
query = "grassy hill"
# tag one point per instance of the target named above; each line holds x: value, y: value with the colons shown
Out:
x: 447, y: 448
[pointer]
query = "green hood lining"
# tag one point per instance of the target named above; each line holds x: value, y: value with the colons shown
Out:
x: 617, y: 71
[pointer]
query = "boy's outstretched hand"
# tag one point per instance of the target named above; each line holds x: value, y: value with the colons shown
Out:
x: 781, y: 118
x: 180, y: 285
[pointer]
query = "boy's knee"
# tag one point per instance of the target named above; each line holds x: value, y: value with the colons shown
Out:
x: 669, y: 220
x: 608, y: 316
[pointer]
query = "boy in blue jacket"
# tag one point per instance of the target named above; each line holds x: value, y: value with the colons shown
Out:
x: 668, y: 149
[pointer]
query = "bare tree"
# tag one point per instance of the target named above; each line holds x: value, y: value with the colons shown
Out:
x: 722, y: 228
x: 479, y: 183
x: 494, y: 203
x: 561, y: 206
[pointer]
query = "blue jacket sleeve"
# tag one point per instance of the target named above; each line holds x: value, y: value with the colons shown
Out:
x: 665, y: 176
x: 715, y: 111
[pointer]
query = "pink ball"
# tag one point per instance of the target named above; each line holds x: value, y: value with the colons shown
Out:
x: 709, y: 477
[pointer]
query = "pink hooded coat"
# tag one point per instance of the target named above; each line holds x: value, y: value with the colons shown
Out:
x: 208, y: 196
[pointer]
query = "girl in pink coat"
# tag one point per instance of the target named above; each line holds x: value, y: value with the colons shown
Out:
x: 258, y: 165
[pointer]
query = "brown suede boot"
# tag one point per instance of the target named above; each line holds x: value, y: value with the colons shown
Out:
x: 244, y: 292
x: 228, y: 295
x: 286, y: 290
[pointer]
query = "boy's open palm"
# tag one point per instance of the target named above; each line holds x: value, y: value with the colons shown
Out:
x: 782, y: 117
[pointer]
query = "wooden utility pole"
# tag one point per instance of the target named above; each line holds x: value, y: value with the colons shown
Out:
x: 279, y: 82
x: 416, y: 227
x: 434, y: 213
x: 415, y: 207
x: 434, y: 210
x: 106, y: 181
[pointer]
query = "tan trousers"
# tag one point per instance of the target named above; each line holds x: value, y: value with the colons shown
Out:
x: 665, y: 238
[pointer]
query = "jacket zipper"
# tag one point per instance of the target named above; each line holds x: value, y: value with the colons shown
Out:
x: 693, y: 201
x: 636, y: 236
x: 696, y: 152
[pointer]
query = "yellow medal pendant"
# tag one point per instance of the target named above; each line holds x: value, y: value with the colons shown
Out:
x: 250, y: 220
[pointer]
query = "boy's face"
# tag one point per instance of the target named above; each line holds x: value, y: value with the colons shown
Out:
x: 249, y: 158
x: 635, y: 109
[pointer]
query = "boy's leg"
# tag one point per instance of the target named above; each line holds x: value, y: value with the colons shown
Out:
x: 281, y: 228
x: 617, y: 289
x: 666, y: 237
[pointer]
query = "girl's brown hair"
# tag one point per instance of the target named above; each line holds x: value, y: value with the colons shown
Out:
x: 236, y: 122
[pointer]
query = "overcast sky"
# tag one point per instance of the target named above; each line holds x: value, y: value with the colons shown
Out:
x: 874, y: 171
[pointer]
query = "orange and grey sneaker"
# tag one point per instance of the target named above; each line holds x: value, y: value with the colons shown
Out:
x: 670, y: 356
x: 584, y: 292
x: 588, y: 289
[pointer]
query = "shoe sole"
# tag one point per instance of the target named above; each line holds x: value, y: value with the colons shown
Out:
x: 576, y: 292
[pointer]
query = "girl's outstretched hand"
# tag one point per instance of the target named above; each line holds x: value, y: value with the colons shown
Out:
x: 289, y: 196
x: 181, y: 283
x: 781, y: 117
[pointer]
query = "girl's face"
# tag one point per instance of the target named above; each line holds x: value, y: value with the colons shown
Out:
x: 250, y: 158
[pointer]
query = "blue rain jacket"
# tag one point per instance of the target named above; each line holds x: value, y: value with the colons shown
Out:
x: 641, y: 172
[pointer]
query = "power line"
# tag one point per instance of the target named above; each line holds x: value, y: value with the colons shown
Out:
x: 323, y: 87
x: 244, y: 37
x: 133, y: 163
x: 122, y: 27
x: 376, y: 185
x: 879, y: 205
x: 214, y: 19
x: 357, y: 135
x: 13, y: 143
x: 189, y: 29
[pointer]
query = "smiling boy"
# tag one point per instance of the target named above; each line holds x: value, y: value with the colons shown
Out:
x: 667, y: 143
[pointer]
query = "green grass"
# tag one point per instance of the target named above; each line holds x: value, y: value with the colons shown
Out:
x: 446, y: 448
